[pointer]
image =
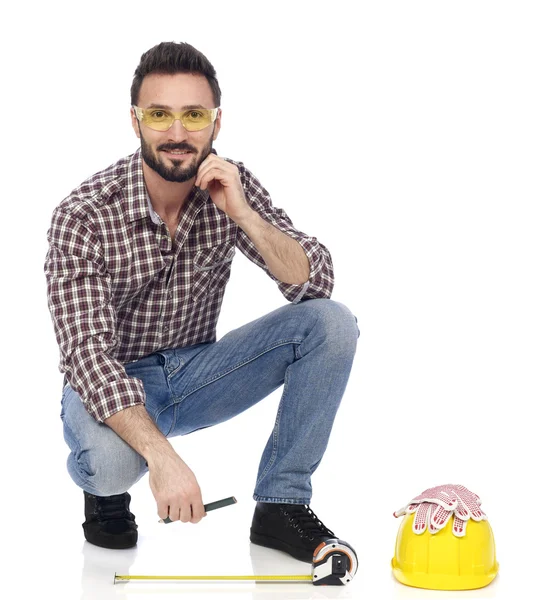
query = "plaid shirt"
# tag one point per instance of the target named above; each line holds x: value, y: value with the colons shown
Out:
x: 119, y: 288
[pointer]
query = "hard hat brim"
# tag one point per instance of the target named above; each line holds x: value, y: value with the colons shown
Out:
x: 443, y: 582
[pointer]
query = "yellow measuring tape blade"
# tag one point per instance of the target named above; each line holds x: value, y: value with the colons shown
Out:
x: 213, y: 577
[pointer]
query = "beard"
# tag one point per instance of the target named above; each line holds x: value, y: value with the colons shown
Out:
x: 180, y: 170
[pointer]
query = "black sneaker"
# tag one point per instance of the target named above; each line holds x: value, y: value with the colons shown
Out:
x: 293, y: 528
x: 109, y: 522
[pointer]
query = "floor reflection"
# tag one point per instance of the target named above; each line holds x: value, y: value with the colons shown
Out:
x: 99, y: 568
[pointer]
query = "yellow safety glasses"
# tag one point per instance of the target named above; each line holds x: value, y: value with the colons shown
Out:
x: 160, y: 119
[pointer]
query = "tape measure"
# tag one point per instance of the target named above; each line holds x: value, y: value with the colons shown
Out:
x: 262, y: 578
x: 335, y: 563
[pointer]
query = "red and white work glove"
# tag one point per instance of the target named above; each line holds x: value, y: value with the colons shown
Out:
x: 434, y: 507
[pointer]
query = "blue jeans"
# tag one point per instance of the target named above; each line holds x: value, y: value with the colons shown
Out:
x: 308, y: 348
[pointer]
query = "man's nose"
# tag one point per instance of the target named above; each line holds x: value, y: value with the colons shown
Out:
x: 177, y: 131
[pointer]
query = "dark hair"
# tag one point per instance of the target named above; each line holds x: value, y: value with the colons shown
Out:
x: 171, y: 58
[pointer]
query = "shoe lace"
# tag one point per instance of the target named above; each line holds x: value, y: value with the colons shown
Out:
x: 305, y: 520
x: 113, y: 507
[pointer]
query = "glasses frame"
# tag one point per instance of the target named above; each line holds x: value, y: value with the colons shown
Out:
x: 177, y: 116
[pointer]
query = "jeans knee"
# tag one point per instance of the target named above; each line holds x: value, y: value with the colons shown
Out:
x: 107, y: 471
x: 337, y: 323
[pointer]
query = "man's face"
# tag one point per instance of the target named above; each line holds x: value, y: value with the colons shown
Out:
x: 175, y: 93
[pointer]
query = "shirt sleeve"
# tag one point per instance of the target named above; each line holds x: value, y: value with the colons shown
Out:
x: 321, y: 279
x: 80, y: 301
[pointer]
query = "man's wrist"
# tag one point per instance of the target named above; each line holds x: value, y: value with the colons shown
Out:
x: 248, y: 219
x: 157, y: 456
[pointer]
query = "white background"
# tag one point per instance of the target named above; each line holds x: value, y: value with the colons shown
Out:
x: 405, y: 136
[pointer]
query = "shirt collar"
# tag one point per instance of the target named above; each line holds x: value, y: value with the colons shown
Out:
x: 155, y: 217
x: 136, y: 191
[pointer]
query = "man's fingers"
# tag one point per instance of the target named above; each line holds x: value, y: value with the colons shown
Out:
x: 198, y: 512
x: 204, y: 167
x: 173, y: 512
x: 163, y: 510
x: 211, y: 175
x: 222, y: 168
x: 185, y: 512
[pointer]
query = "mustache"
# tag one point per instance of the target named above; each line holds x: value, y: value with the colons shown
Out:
x: 181, y: 147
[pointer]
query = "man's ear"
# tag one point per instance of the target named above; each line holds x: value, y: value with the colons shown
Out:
x: 135, y: 123
x: 217, y: 124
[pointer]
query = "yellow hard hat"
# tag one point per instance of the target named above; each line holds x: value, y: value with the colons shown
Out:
x: 448, y: 558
